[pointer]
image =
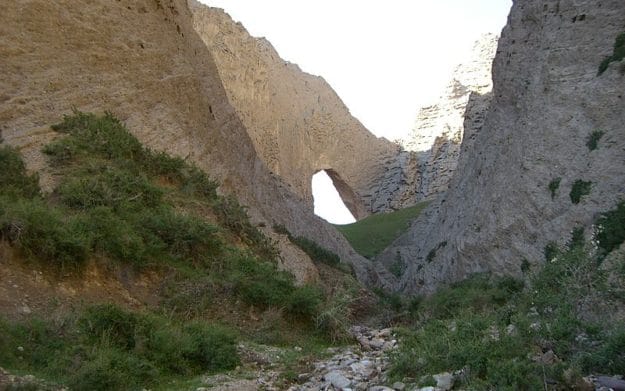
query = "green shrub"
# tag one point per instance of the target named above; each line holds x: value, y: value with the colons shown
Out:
x: 114, y: 236
x: 14, y: 180
x: 112, y: 187
x: 553, y: 186
x: 111, y: 369
x: 479, y: 293
x: 611, y: 229
x: 103, y: 136
x: 579, y: 189
x: 109, y: 324
x: 305, y: 301
x: 43, y: 232
x: 183, y: 237
x: 593, y: 139
x: 211, y: 348
x: 439, y: 347
x: 260, y: 283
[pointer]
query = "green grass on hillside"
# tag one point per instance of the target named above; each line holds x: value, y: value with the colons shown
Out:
x: 373, y: 234
x: 122, y: 205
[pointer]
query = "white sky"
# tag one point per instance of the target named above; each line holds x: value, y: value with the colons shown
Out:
x: 385, y: 59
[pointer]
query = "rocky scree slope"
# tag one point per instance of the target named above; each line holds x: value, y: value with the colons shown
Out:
x: 298, y: 124
x: 439, y: 128
x: 143, y: 61
x: 532, y: 173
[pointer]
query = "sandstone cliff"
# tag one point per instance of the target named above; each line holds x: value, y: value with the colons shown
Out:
x: 439, y: 128
x: 143, y: 61
x: 547, y: 101
x: 299, y: 125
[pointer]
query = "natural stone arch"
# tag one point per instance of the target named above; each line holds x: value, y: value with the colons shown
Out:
x: 352, y: 201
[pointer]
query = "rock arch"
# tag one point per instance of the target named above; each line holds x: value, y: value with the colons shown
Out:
x: 298, y: 124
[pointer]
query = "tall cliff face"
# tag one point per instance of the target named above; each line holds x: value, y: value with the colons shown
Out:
x: 298, y: 124
x: 142, y: 60
x: 547, y: 101
x: 439, y: 128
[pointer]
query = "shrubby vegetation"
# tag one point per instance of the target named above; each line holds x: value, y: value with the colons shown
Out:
x: 579, y: 189
x: 618, y: 53
x: 106, y: 347
x: 554, y: 184
x: 593, y: 139
x: 123, y: 205
x: 510, y: 334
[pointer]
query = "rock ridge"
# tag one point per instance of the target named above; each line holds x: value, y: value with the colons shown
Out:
x: 547, y: 100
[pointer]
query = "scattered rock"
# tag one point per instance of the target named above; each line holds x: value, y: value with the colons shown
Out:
x: 337, y: 379
x: 399, y: 386
x: 613, y: 383
x: 444, y: 381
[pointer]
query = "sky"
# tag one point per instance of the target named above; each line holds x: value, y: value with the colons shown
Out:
x: 385, y: 59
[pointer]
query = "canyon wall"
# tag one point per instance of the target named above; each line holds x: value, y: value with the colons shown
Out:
x: 299, y: 125
x: 143, y: 61
x: 548, y: 99
x: 439, y: 128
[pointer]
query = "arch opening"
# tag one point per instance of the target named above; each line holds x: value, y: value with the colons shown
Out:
x: 328, y: 203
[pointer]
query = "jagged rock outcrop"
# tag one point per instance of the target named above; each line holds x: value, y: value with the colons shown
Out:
x: 439, y: 128
x: 299, y: 125
x: 144, y: 61
x: 547, y: 101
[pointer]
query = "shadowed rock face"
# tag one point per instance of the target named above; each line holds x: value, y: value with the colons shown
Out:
x: 298, y: 124
x: 143, y: 61
x: 547, y: 100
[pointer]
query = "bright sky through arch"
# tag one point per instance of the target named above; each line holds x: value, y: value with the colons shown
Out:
x: 328, y: 203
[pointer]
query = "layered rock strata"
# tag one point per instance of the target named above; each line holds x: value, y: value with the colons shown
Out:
x: 548, y: 99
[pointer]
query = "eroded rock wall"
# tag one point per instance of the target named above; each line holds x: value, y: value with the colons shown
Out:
x: 547, y: 100
x: 143, y: 61
x: 299, y: 125
x: 439, y: 128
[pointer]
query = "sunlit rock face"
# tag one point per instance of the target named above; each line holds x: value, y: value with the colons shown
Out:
x: 439, y: 128
x: 547, y: 99
x: 143, y: 61
x: 299, y: 125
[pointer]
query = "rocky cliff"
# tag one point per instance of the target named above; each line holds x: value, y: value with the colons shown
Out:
x: 439, y: 128
x: 144, y: 61
x: 517, y: 186
x: 299, y: 125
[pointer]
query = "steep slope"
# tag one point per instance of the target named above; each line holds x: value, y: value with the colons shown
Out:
x: 520, y: 182
x: 299, y: 125
x: 143, y: 61
x: 439, y: 128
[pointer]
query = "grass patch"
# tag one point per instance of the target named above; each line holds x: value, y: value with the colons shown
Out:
x: 373, y: 234
x: 579, y: 189
x: 593, y: 139
x: 618, y: 53
x: 554, y: 185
